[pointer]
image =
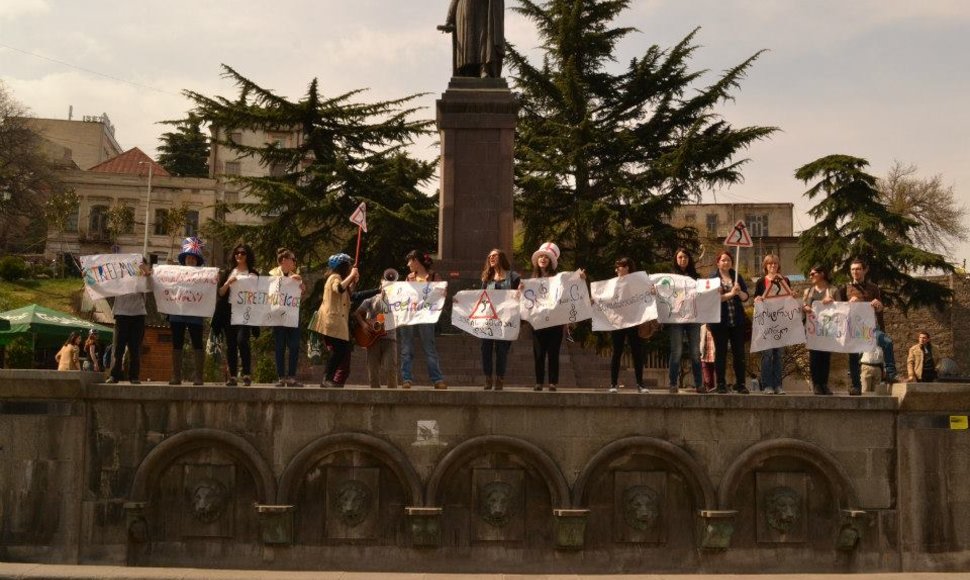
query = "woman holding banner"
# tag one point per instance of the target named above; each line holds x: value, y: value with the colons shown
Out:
x: 287, y: 337
x: 191, y: 255
x: 497, y: 274
x: 734, y: 293
x: 237, y: 336
x: 420, y: 266
x: 333, y: 318
x: 819, y: 361
x: 129, y: 313
x: 772, y: 283
x: 546, y: 342
x: 684, y: 266
x: 629, y: 335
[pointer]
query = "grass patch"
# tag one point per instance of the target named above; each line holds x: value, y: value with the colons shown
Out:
x: 55, y: 293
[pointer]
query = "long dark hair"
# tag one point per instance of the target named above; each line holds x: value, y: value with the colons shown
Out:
x: 250, y: 257
x: 691, y: 269
x: 503, y: 261
x: 70, y: 339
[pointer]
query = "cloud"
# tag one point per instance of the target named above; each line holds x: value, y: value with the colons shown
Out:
x: 13, y: 9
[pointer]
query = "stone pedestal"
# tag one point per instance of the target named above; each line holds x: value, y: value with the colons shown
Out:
x: 476, y: 123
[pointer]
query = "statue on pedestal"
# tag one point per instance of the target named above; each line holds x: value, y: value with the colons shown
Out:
x: 478, y: 37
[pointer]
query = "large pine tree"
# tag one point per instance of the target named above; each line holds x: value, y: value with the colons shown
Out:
x: 347, y: 152
x: 853, y: 221
x: 185, y: 151
x: 603, y: 158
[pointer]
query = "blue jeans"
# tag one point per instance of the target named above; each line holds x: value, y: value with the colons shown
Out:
x: 771, y: 361
x: 286, y: 339
x: 405, y: 334
x: 883, y: 341
x: 677, y: 333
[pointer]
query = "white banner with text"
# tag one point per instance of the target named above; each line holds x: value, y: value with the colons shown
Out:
x: 841, y: 327
x: 623, y: 302
x: 265, y: 301
x: 185, y: 290
x: 492, y: 314
x: 776, y: 322
x: 553, y: 301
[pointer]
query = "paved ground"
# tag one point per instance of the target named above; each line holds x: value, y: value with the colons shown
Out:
x: 48, y: 572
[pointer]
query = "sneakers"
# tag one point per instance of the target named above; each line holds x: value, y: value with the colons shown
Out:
x: 537, y: 388
x: 741, y: 390
x: 292, y: 382
x: 614, y: 389
x: 281, y: 383
x: 721, y: 390
x: 135, y: 382
x: 247, y: 380
x: 406, y: 385
x: 641, y: 389
x: 441, y: 385
x: 552, y: 388
x: 855, y: 392
x: 673, y: 390
x: 111, y: 381
x: 779, y: 391
x: 231, y: 382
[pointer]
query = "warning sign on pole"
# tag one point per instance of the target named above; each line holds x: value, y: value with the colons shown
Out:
x: 739, y: 236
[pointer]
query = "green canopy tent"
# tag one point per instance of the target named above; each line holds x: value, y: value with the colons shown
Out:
x: 46, y: 327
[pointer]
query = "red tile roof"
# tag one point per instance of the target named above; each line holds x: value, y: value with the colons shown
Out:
x: 132, y: 162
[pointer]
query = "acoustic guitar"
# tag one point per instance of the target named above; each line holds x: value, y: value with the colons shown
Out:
x: 365, y: 337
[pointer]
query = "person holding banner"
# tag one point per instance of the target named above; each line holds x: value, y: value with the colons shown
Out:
x: 684, y: 266
x: 287, y: 337
x: 546, y: 342
x: 629, y: 335
x: 191, y: 255
x: 129, y: 314
x: 819, y: 361
x: 734, y: 293
x: 497, y: 274
x: 772, y: 283
x: 859, y: 290
x: 237, y: 336
x: 419, y: 264
x: 333, y: 319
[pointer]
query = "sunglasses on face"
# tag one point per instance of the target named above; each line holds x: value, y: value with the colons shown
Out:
x: 239, y: 253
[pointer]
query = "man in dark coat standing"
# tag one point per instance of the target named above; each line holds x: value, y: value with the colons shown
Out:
x: 479, y: 37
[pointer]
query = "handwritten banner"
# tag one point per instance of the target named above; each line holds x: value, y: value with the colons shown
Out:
x: 112, y: 275
x: 265, y: 301
x: 681, y: 299
x: 841, y: 327
x: 553, y: 301
x: 492, y: 314
x: 777, y: 322
x: 623, y: 302
x: 185, y: 290
x: 411, y: 303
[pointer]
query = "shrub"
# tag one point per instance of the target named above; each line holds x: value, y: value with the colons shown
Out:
x: 12, y: 268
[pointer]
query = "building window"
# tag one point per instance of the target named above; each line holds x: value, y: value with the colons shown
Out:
x: 757, y: 225
x: 191, y: 223
x: 98, y: 222
x: 712, y: 225
x: 233, y: 168
x: 128, y: 210
x: 161, y: 217
x: 70, y: 224
x: 690, y: 219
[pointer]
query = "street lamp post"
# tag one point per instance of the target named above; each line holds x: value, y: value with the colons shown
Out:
x: 148, y: 205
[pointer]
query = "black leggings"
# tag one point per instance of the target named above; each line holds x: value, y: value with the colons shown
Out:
x: 545, y: 344
x: 178, y: 335
x: 237, y: 345
x: 632, y: 336
x: 735, y: 335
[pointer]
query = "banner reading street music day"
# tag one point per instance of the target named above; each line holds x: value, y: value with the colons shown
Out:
x: 185, y: 290
x: 776, y: 322
x: 553, y: 301
x: 682, y: 299
x: 841, y: 327
x: 623, y: 302
x: 265, y: 301
x: 112, y: 275
x: 411, y: 303
x: 492, y: 314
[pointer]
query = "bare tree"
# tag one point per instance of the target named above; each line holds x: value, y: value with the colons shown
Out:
x: 940, y: 217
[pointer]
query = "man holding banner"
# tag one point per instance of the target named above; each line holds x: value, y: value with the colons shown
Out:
x: 859, y: 290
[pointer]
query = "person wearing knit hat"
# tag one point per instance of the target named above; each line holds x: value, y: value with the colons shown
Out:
x: 191, y: 255
x: 546, y: 342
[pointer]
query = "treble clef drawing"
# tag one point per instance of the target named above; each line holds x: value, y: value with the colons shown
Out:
x: 246, y: 314
x: 572, y: 313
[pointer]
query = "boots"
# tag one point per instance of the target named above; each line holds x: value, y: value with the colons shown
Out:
x: 176, y: 368
x: 198, y: 357
x: 499, y: 383
x: 488, y: 382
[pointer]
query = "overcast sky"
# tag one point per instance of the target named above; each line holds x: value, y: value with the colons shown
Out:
x: 881, y: 79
